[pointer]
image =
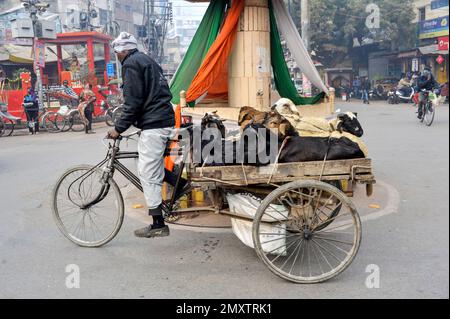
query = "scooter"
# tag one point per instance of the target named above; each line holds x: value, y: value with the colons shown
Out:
x: 396, y: 96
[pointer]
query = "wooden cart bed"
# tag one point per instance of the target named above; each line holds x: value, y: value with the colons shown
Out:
x: 351, y: 171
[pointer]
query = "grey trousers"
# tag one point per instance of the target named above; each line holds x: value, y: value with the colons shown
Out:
x: 151, y: 147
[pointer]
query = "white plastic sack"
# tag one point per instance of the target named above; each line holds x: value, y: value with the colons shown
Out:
x: 64, y: 110
x: 247, y: 205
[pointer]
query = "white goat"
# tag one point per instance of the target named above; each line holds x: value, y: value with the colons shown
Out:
x: 315, y: 126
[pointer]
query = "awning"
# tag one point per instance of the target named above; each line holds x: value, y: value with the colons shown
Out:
x: 409, y: 54
x: 432, y: 50
x: 23, y: 54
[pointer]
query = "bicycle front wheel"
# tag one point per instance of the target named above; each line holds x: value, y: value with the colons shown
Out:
x: 76, y: 122
x: 50, y: 124
x: 109, y: 118
x: 94, y: 226
x: 429, y: 114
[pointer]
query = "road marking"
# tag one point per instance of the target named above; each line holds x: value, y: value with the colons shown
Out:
x: 392, y: 206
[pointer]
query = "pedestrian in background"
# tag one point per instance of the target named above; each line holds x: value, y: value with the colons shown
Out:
x: 86, y: 108
x: 356, y: 86
x: 31, y: 107
x: 365, y: 87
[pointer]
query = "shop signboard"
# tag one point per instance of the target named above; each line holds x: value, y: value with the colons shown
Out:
x: 443, y: 43
x: 434, y: 28
x: 110, y: 70
x: 415, y: 65
x: 437, y: 4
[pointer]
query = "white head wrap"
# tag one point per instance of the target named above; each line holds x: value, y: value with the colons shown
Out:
x: 125, y: 41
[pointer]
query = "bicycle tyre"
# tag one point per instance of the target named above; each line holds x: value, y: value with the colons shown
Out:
x: 6, y: 127
x: 429, y: 114
x: 76, y: 122
x: 49, y: 121
x: 58, y: 198
x: 109, y: 118
x: 117, y: 113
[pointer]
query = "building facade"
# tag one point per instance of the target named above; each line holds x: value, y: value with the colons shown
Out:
x: 433, y: 33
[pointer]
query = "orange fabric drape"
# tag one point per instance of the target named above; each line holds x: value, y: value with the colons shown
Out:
x: 170, y: 160
x: 217, y: 57
x: 219, y: 89
x: 213, y: 73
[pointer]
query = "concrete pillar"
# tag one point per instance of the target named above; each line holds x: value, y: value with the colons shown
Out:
x: 250, y: 64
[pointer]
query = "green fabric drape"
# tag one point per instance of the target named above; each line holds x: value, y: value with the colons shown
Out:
x: 283, y: 81
x: 203, y: 39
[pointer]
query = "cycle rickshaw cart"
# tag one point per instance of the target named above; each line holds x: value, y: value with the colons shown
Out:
x: 306, y: 228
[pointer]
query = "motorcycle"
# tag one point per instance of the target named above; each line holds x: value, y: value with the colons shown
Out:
x: 396, y: 95
x: 377, y: 93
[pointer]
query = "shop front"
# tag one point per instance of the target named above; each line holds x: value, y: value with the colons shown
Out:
x: 433, y: 35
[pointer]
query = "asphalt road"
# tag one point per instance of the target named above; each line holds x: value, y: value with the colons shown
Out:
x: 408, y: 240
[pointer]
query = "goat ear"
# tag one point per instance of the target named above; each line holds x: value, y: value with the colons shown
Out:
x: 356, y: 114
x: 284, y: 129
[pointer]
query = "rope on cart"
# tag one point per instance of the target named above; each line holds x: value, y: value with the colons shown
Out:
x: 275, y: 165
x: 325, y: 160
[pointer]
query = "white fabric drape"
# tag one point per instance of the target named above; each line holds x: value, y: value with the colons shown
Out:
x: 296, y: 45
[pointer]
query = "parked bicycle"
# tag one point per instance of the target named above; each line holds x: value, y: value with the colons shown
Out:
x: 7, y: 121
x: 110, y: 106
x: 67, y: 117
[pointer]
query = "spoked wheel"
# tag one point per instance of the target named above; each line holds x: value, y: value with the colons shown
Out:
x: 422, y: 119
x: 61, y: 122
x: 429, y: 113
x: 109, y: 118
x: 307, y: 232
x: 94, y: 226
x: 76, y: 122
x: 6, y: 127
x: 50, y: 124
x: 117, y: 113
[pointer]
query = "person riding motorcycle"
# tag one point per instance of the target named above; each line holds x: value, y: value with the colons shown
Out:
x: 425, y: 82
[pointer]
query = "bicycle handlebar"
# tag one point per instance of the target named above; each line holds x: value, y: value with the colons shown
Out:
x: 128, y: 136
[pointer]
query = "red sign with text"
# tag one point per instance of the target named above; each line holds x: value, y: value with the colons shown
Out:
x: 443, y: 43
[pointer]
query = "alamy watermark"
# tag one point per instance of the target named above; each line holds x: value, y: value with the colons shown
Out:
x: 374, y: 18
x: 373, y: 281
x: 73, y: 277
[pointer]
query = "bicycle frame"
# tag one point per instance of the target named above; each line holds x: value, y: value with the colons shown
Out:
x: 112, y: 161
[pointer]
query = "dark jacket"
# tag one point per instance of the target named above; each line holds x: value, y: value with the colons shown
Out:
x: 146, y: 94
x: 365, y: 85
x: 427, y: 83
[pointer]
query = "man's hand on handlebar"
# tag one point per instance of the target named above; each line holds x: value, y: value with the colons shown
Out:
x: 113, y: 134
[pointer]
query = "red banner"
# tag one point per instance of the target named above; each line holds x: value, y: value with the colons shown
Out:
x: 443, y: 43
x: 39, y: 53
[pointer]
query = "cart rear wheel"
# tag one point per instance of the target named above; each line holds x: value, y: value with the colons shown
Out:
x: 300, y: 237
